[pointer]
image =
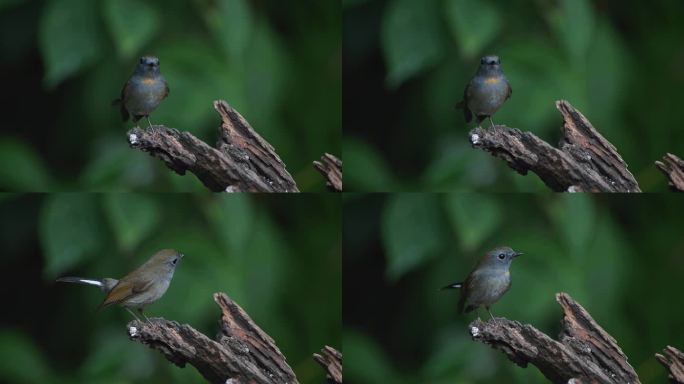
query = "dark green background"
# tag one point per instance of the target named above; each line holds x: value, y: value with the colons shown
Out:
x: 620, y: 256
x: 406, y: 63
x: 63, y: 62
x: 279, y: 257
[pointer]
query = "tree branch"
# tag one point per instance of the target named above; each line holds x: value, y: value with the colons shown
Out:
x: 585, y: 352
x: 331, y: 168
x: 673, y: 168
x: 241, y: 352
x: 242, y: 161
x: 673, y: 360
x: 331, y: 360
x: 584, y: 160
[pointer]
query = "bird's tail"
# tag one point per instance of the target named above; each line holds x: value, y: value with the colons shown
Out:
x: 452, y: 286
x: 104, y: 284
x: 123, y: 110
x: 81, y: 280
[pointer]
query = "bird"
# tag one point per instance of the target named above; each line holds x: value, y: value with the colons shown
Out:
x: 143, y: 91
x: 486, y: 92
x: 487, y: 282
x: 141, y: 287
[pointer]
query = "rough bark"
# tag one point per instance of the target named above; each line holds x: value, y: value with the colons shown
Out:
x: 240, y: 353
x: 673, y: 168
x: 584, y: 160
x: 673, y: 360
x: 584, y: 352
x: 242, y: 161
x: 331, y: 360
x: 331, y: 168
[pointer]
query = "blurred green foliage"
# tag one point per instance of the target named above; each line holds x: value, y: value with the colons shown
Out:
x: 279, y: 257
x: 64, y: 61
x: 406, y: 63
x: 607, y: 252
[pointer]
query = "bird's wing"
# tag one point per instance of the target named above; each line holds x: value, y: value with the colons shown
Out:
x: 124, y: 290
x: 166, y: 90
x: 466, y: 288
x: 509, y: 90
x: 124, y: 93
x: 467, y: 114
x: 119, y: 293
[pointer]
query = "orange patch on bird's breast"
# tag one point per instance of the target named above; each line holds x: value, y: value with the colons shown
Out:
x: 492, y: 80
x: 149, y: 81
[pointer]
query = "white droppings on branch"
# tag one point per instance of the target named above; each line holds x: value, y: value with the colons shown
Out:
x: 474, y: 331
x: 475, y: 139
x: 133, y: 331
x: 133, y: 138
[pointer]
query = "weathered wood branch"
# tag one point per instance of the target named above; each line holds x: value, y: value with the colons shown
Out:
x: 242, y: 161
x: 331, y: 168
x: 673, y: 168
x: 584, y: 351
x: 673, y: 361
x: 584, y: 160
x: 331, y: 360
x: 240, y: 353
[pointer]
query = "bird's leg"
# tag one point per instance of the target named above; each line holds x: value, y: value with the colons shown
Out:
x: 132, y: 313
x: 148, y: 120
x: 143, y: 315
x: 491, y: 122
x: 490, y: 313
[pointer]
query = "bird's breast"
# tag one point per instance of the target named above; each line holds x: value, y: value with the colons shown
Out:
x: 487, y: 94
x: 144, y: 95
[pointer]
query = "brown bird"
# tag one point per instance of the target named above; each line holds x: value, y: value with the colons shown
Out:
x: 143, y: 286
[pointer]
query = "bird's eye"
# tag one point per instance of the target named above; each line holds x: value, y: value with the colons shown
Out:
x: 501, y: 256
x: 174, y: 261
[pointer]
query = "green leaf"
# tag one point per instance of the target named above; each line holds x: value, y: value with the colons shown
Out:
x: 367, y: 171
x: 69, y: 230
x: 27, y: 173
x: 575, y: 27
x: 474, y: 24
x: 411, y: 232
x: 22, y: 362
x: 605, y: 83
x: 411, y: 40
x: 266, y: 64
x: 367, y: 362
x: 232, y: 24
x: 352, y: 3
x: 575, y: 218
x: 132, y: 217
x: 69, y: 38
x: 233, y: 217
x: 132, y: 23
x: 475, y: 217
x: 9, y: 3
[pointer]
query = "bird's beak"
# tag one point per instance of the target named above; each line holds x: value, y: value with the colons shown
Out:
x: 518, y: 254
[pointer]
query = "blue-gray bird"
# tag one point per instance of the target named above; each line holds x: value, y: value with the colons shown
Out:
x: 143, y: 91
x: 486, y: 92
x: 487, y: 282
